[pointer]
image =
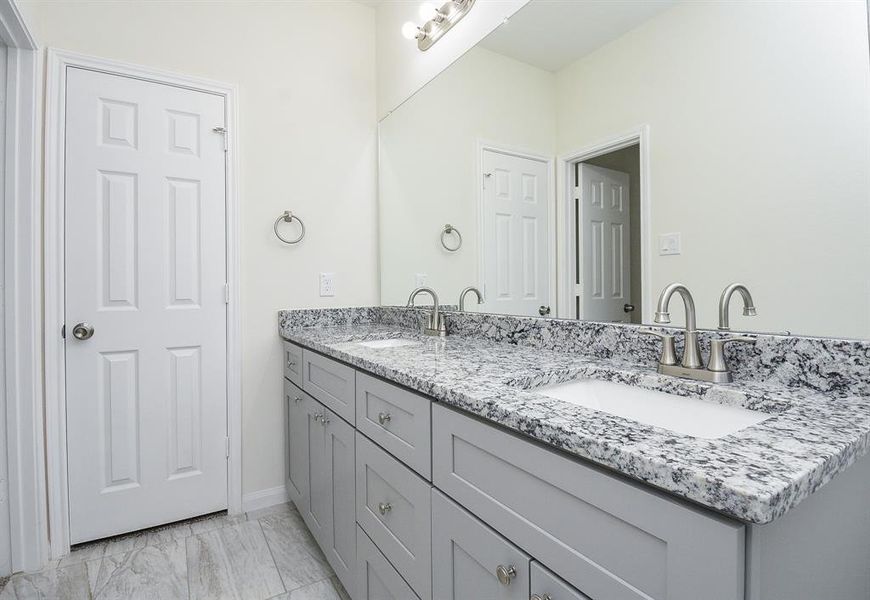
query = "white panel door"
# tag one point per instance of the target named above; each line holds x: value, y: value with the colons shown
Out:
x: 515, y: 245
x: 605, y: 286
x: 145, y: 242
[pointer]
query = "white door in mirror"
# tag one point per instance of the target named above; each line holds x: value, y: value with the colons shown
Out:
x: 516, y: 260
x: 145, y: 276
x: 605, y: 227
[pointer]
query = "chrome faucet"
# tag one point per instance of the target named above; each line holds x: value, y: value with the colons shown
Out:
x: 691, y: 366
x: 725, y: 300
x: 692, y: 350
x: 435, y: 322
x: 462, y: 294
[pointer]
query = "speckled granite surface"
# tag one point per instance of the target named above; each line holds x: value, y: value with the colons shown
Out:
x: 817, y: 392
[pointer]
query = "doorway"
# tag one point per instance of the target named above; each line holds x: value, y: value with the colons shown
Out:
x: 517, y: 257
x: 605, y: 231
x: 142, y: 382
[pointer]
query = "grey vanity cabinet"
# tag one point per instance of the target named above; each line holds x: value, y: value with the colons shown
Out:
x: 331, y: 383
x: 297, y: 446
x: 315, y: 511
x: 470, y: 560
x: 396, y: 419
x: 293, y: 363
x: 394, y: 507
x: 321, y: 483
x: 376, y: 579
x: 339, y: 537
x: 608, y: 537
x: 547, y: 586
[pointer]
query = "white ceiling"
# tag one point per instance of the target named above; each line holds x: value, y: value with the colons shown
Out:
x: 551, y: 34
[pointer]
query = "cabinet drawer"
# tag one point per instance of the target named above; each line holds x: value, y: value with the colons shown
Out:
x: 376, y: 579
x: 467, y: 557
x: 293, y: 363
x: 330, y: 382
x: 607, y: 536
x: 396, y: 419
x: 393, y: 506
x: 546, y: 585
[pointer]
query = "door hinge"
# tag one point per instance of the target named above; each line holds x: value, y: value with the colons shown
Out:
x: 226, y: 293
x: 223, y: 132
x: 227, y: 447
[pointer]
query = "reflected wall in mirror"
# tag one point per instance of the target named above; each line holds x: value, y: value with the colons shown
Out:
x: 590, y: 153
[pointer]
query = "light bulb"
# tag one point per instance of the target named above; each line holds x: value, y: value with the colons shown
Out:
x: 409, y: 30
x: 427, y: 11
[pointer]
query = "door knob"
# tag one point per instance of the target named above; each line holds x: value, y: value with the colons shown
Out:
x: 384, y: 418
x: 384, y: 507
x: 505, y: 574
x: 628, y: 308
x: 83, y: 331
x: 544, y: 311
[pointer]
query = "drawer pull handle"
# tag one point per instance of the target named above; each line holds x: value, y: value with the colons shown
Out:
x: 540, y: 597
x: 384, y: 507
x: 384, y: 418
x: 505, y: 574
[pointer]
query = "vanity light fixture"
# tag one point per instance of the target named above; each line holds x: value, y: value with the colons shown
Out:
x: 438, y: 22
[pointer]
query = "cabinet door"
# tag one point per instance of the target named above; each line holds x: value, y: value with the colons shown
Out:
x: 470, y: 560
x: 317, y: 514
x: 297, y: 446
x: 339, y: 541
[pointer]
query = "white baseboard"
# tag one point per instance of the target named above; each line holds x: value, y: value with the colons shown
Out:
x: 264, y: 498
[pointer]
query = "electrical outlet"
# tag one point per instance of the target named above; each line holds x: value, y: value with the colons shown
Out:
x: 420, y: 279
x: 669, y: 244
x: 327, y: 284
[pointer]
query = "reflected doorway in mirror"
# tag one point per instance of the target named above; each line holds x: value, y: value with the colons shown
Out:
x: 516, y: 261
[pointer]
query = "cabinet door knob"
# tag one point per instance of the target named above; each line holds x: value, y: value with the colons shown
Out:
x: 505, y: 574
x: 324, y: 420
x: 317, y: 416
x: 384, y: 418
x: 384, y: 507
x: 297, y: 399
x: 540, y: 597
x: 291, y: 363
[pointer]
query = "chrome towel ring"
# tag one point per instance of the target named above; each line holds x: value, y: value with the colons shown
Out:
x: 449, y: 230
x: 289, y: 217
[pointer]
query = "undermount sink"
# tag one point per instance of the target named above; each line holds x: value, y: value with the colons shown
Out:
x: 689, y: 416
x: 390, y: 343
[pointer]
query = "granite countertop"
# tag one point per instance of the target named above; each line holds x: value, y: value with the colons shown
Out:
x: 755, y: 475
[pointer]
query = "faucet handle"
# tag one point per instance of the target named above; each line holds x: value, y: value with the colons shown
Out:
x: 717, y: 361
x: 669, y: 351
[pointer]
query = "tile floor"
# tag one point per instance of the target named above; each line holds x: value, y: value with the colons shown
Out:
x: 267, y: 554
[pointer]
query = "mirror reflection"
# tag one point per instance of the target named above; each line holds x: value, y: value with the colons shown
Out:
x: 587, y: 154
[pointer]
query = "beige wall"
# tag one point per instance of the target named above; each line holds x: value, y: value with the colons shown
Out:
x: 306, y: 77
x: 428, y: 165
x: 759, y: 151
x: 403, y: 69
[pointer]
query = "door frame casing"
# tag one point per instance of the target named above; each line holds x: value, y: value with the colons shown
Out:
x: 59, y: 61
x: 639, y: 136
x: 484, y: 146
x: 22, y: 334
